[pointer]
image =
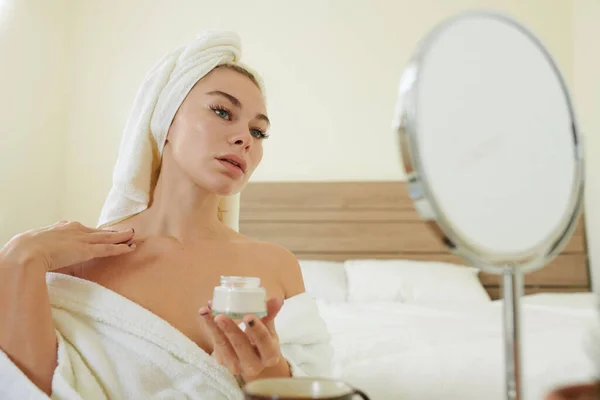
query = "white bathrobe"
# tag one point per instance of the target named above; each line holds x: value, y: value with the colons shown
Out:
x: 112, y: 348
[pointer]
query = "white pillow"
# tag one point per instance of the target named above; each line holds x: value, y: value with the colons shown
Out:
x: 415, y: 282
x: 325, y: 280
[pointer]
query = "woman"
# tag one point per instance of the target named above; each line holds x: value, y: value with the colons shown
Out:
x: 194, y: 138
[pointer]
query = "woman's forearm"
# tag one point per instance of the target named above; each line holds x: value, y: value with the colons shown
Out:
x: 26, y: 329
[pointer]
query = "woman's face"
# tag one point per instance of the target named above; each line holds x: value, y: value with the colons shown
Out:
x: 216, y: 136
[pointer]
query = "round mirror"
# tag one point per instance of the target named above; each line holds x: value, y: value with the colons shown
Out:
x: 491, y: 150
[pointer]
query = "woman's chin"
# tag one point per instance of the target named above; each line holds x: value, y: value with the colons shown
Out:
x: 225, y: 187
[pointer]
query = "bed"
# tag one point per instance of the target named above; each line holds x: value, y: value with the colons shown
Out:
x: 409, y: 320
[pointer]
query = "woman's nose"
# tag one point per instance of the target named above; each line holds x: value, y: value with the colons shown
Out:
x: 242, y: 138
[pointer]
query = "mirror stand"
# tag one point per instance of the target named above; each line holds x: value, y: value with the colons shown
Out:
x: 478, y: 102
x: 512, y: 288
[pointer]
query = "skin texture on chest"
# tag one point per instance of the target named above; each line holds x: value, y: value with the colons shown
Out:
x: 174, y: 281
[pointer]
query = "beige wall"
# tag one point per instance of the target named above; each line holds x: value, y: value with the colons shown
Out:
x: 331, y: 69
x: 586, y: 55
x: 34, y: 55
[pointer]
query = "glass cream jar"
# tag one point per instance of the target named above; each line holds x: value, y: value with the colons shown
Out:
x: 238, y: 296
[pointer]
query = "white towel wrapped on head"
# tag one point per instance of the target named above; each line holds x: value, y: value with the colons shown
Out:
x: 158, y: 99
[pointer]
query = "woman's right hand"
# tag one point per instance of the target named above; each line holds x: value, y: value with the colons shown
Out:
x: 66, y: 243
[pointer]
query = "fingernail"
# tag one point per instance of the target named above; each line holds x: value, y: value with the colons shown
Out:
x: 222, y: 324
x: 204, y: 311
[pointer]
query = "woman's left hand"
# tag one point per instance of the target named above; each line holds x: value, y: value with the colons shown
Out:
x: 252, y: 354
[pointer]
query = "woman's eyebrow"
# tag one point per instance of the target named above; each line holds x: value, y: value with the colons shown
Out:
x: 264, y: 118
x: 234, y: 100
x: 228, y: 96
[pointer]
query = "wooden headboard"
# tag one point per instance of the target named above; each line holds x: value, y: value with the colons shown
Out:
x: 377, y: 220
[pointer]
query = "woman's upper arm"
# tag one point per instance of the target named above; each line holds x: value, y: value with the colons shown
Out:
x: 291, y: 274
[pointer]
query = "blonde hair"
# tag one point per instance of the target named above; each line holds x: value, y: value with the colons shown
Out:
x: 244, y: 71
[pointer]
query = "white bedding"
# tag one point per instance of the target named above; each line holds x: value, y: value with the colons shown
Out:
x: 394, y: 350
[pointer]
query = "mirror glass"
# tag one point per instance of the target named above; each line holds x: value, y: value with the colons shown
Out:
x: 492, y: 136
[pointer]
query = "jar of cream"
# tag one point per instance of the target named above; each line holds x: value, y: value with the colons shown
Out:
x: 238, y: 296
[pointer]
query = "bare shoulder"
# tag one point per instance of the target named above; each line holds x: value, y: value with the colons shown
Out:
x: 286, y: 264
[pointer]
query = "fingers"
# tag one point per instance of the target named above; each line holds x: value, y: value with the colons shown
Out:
x: 266, y: 345
x: 108, y: 243
x: 224, y: 352
x: 249, y: 352
x: 232, y: 346
x: 248, y: 359
x: 110, y: 250
x: 273, y: 307
x: 105, y: 237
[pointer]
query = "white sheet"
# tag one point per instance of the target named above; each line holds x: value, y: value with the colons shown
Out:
x: 399, y: 351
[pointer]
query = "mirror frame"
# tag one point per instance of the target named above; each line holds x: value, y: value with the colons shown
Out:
x: 419, y: 188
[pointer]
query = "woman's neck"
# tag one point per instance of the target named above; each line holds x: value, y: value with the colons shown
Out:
x: 181, y: 210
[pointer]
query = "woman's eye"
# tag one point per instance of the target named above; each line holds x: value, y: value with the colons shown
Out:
x: 221, y: 112
x: 257, y: 133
